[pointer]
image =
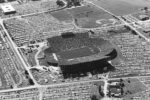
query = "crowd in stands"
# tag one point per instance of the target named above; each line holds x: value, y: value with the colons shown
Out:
x: 78, y: 40
x: 59, y: 43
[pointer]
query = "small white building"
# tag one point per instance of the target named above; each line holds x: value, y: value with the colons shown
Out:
x: 8, y: 9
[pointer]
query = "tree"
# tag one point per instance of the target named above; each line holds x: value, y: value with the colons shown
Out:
x: 122, y: 91
x: 31, y: 81
x: 146, y: 9
x: 94, y: 97
x: 69, y: 3
x: 76, y: 2
x: 121, y: 80
x: 60, y: 3
x: 2, y: 1
x: 26, y: 72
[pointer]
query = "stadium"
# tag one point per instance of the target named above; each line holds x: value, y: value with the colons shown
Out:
x: 79, y: 52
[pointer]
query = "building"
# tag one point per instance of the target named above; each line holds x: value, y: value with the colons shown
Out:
x: 143, y: 17
x: 78, y: 53
x: 8, y: 9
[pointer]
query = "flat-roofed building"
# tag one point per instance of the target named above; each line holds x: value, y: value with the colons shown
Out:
x: 8, y: 9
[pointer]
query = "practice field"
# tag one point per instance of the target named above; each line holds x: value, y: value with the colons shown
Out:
x: 122, y: 7
x: 87, y: 16
x: 62, y: 15
x: 89, y: 11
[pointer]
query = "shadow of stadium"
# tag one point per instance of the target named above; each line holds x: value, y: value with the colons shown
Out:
x: 94, y: 67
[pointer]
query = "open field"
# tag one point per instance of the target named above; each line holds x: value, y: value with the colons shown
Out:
x: 87, y: 16
x: 45, y: 22
x: 62, y: 15
x: 122, y: 7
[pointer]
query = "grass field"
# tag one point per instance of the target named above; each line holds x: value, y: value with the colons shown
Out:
x: 122, y: 7
x: 62, y: 15
x: 80, y: 52
x: 89, y: 11
x: 86, y: 16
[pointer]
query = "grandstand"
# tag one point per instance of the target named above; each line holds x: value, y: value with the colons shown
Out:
x: 77, y: 48
x: 76, y: 53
